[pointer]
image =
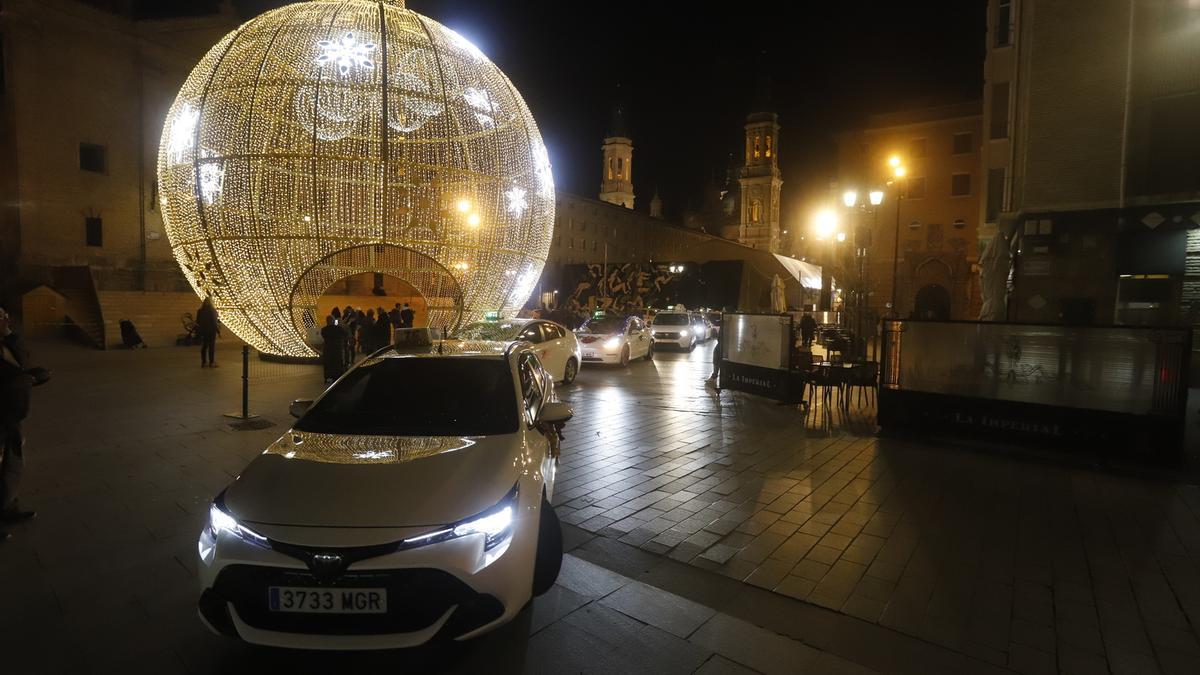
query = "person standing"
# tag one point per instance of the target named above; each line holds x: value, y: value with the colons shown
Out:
x: 407, y: 316
x: 209, y: 327
x: 383, y: 330
x: 333, y: 354
x: 16, y: 384
x: 394, y: 317
x: 366, y: 325
x: 808, y: 328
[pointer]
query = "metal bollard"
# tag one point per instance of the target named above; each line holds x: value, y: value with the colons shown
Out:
x: 245, y: 414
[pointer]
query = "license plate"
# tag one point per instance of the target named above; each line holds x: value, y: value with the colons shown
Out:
x: 327, y: 600
x: 589, y: 354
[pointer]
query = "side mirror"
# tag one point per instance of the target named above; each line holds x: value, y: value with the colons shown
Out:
x: 556, y: 412
x: 299, y: 407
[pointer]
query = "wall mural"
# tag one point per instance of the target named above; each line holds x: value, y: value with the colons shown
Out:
x: 625, y: 286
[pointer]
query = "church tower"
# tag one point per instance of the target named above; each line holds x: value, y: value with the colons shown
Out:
x: 616, y: 179
x: 760, y: 182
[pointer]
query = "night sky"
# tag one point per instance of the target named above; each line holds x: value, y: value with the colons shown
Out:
x: 683, y: 77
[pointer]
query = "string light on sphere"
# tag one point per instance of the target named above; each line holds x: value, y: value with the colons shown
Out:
x: 326, y: 139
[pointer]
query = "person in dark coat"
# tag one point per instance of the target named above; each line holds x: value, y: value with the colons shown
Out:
x: 16, y: 385
x: 209, y: 327
x: 808, y: 328
x: 407, y: 316
x: 395, y: 318
x: 366, y: 324
x: 333, y: 355
x: 347, y: 326
x: 383, y: 330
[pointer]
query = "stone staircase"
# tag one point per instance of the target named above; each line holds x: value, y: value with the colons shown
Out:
x: 157, y: 315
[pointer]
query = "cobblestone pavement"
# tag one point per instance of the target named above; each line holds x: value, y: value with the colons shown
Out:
x: 736, y: 528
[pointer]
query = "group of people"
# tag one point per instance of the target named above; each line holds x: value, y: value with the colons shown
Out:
x: 351, y: 331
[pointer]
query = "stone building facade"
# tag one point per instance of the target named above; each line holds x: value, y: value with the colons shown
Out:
x: 933, y: 212
x: 1091, y: 150
x: 760, y: 182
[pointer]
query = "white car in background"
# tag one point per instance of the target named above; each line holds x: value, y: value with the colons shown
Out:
x: 411, y: 501
x: 556, y: 347
x: 674, y: 329
x: 615, y: 339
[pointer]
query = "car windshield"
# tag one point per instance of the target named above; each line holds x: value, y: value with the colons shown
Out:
x: 428, y: 396
x: 500, y: 331
x: 671, y: 320
x: 606, y: 326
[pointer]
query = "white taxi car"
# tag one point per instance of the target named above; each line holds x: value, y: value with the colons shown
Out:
x: 556, y: 347
x: 615, y: 339
x: 409, y: 502
x: 674, y: 329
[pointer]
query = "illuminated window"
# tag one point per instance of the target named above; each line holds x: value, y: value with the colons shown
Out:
x: 621, y: 168
x: 610, y: 168
x: 769, y: 148
x: 757, y: 147
x: 755, y: 211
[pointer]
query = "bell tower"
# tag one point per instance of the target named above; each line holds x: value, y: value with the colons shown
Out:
x: 616, y: 178
x: 760, y: 182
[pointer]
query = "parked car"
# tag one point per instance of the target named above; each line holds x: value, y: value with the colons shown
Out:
x: 556, y: 347
x: 615, y: 339
x: 674, y: 329
x: 411, y: 501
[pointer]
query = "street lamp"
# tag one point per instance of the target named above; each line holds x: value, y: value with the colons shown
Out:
x: 849, y: 198
x: 899, y: 171
x: 876, y: 197
x: 824, y: 223
x: 861, y: 244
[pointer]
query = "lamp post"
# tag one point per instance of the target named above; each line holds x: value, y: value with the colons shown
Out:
x: 825, y: 227
x: 850, y: 199
x: 899, y: 172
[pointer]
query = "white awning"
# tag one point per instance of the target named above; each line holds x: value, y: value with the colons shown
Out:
x: 808, y: 274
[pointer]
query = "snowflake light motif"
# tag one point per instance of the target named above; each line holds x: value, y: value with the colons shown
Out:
x: 516, y: 201
x: 183, y: 133
x: 212, y: 181
x: 485, y: 108
x: 347, y: 53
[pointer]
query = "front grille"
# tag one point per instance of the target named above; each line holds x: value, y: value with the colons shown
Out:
x: 415, y: 599
x: 667, y: 336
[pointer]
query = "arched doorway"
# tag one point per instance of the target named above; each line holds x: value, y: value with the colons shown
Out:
x: 933, y: 302
x: 415, y: 275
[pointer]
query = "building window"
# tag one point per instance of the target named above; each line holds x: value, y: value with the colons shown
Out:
x: 755, y: 211
x: 1003, y: 23
x: 960, y: 185
x: 769, y: 148
x: 620, y: 168
x: 571, y: 243
x: 962, y: 143
x: 610, y: 168
x: 583, y: 244
x: 917, y: 148
x: 995, y: 194
x: 916, y: 188
x: 999, y: 126
x: 593, y: 244
x: 93, y: 157
x: 757, y: 147
x: 94, y: 229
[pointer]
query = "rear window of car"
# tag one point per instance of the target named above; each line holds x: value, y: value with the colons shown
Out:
x: 605, y: 326
x: 671, y: 320
x: 427, y: 396
x: 490, y: 330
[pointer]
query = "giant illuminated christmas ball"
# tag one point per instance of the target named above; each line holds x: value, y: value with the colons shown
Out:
x: 336, y: 137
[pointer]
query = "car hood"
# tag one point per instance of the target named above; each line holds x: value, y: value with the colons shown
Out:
x: 307, y: 479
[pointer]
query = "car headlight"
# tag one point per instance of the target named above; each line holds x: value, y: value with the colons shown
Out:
x: 219, y: 520
x: 495, y: 524
x: 684, y: 333
x: 612, y: 343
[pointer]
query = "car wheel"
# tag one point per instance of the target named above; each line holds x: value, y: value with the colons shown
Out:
x: 650, y: 352
x: 549, y: 550
x: 625, y: 356
x: 570, y: 371
x: 691, y: 345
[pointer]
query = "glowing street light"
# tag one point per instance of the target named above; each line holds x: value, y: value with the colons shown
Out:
x: 899, y: 172
x: 841, y: 236
x: 894, y: 161
x: 876, y: 197
x: 825, y: 223
x: 849, y: 198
